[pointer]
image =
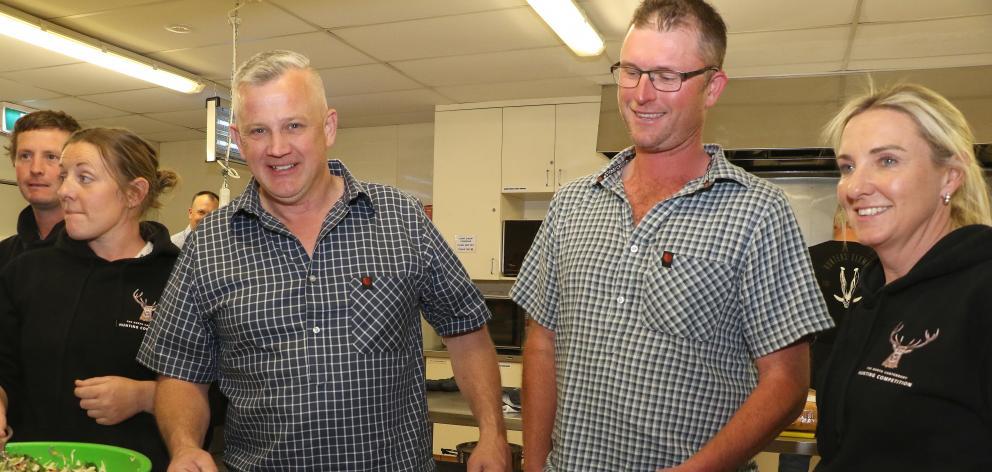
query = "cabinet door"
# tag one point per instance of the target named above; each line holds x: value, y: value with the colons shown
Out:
x: 466, y: 186
x: 577, y: 127
x: 528, y: 148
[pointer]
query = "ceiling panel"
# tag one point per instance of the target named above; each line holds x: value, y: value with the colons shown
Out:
x: 901, y: 10
x: 343, y: 13
x: 775, y: 15
x: 187, y: 118
x: 568, y: 87
x: 79, y: 109
x: 215, y: 61
x: 136, y: 123
x: 386, y: 119
x: 151, y: 100
x: 610, y: 17
x: 77, y: 79
x: 18, y: 55
x: 56, y: 8
x: 142, y: 28
x: 500, y: 30
x: 369, y: 78
x: 509, y: 66
x: 922, y: 39
x: 913, y: 63
x: 17, y: 91
x: 179, y: 135
x: 750, y: 50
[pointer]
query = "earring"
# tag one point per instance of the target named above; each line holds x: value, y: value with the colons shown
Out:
x: 946, y: 198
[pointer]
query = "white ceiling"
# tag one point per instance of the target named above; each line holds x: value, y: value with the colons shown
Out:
x: 391, y: 61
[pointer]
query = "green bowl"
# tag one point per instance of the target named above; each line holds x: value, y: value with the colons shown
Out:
x: 115, y: 459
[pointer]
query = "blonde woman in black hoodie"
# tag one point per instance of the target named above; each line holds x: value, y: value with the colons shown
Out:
x: 72, y: 316
x: 909, y: 383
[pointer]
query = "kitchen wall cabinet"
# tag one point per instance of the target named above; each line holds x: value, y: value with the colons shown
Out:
x: 467, y: 148
x: 547, y: 146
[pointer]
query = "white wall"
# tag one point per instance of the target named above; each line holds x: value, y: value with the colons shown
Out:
x: 400, y: 155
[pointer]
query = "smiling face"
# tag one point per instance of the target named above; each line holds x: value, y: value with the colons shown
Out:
x: 93, y: 203
x: 890, y: 187
x: 284, y: 132
x: 36, y: 166
x: 663, y: 121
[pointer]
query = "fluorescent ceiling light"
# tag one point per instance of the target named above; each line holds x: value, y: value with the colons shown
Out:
x: 32, y: 30
x: 568, y: 22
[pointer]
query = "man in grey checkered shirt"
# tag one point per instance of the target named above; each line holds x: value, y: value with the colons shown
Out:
x: 671, y: 295
x: 302, y: 299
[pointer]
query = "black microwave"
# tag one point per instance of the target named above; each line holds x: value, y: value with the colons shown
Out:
x: 518, y: 235
x: 508, y: 324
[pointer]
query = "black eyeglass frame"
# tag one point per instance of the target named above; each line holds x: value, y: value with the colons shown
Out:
x: 683, y: 76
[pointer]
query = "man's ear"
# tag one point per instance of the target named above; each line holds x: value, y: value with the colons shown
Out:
x: 715, y: 87
x: 330, y: 127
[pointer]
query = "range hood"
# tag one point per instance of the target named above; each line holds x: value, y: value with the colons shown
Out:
x: 769, y: 127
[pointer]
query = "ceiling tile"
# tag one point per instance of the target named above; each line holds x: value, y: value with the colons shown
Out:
x: 136, y: 123
x: 181, y: 135
x: 342, y: 13
x: 187, y: 118
x: 368, y: 78
x: 509, y: 66
x: 933, y: 62
x: 77, y: 79
x: 79, y: 109
x: 568, y: 87
x: 12, y: 91
x: 610, y: 17
x: 901, y: 10
x: 406, y: 101
x: 56, y: 8
x: 18, y: 55
x: 215, y: 61
x: 500, y: 30
x: 142, y: 28
x: 760, y: 50
x: 937, y: 38
x: 152, y: 100
x: 777, y: 15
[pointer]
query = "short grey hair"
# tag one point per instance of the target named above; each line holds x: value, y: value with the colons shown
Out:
x: 267, y: 66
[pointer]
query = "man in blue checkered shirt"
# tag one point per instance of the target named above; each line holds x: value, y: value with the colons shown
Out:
x: 302, y: 299
x: 671, y: 294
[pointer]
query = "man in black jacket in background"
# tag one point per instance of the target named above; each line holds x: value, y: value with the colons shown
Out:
x: 35, y: 149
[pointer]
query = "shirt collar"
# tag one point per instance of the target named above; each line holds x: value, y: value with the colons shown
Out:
x: 355, y: 192
x: 719, y: 169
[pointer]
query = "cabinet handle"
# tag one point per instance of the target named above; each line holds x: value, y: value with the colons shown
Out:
x: 547, y: 175
x: 492, y: 266
x: 559, y: 177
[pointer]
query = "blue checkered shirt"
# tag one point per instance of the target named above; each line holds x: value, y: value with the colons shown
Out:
x: 321, y: 358
x: 657, y: 325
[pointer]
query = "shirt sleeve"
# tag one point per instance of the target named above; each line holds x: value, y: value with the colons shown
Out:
x: 181, y: 342
x: 782, y: 302
x: 536, y: 289
x: 450, y: 301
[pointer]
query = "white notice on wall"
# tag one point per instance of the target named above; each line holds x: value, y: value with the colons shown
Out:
x: 464, y: 243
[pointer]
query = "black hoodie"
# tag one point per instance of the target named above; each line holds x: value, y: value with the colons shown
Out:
x: 27, y: 238
x: 67, y: 314
x: 909, y: 384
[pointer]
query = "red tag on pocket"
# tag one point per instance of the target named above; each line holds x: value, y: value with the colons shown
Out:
x: 666, y: 259
x: 367, y: 282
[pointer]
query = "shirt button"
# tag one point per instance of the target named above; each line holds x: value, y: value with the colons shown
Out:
x: 312, y: 279
x: 633, y: 249
x: 316, y: 329
x: 620, y: 299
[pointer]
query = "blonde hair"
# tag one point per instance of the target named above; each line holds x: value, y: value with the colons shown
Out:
x: 267, y: 66
x: 944, y: 128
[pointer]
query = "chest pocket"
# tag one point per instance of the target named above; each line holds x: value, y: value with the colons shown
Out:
x: 687, y: 298
x: 380, y: 310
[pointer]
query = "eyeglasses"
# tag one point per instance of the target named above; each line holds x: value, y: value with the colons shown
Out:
x: 663, y: 80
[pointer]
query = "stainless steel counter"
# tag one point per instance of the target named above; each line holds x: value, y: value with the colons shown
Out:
x: 452, y: 408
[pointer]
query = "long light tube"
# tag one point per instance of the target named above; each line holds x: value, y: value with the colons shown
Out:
x: 35, y: 33
x: 568, y: 22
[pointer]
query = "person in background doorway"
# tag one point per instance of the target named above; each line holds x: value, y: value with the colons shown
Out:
x: 838, y: 265
x: 35, y: 148
x: 908, y: 385
x: 671, y: 294
x: 302, y: 299
x: 203, y: 203
x: 68, y: 335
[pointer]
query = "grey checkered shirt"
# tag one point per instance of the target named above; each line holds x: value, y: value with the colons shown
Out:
x: 657, y: 326
x: 322, y: 358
